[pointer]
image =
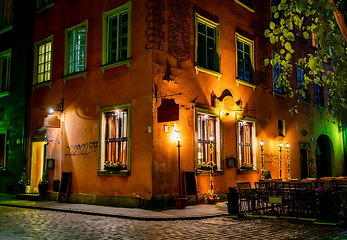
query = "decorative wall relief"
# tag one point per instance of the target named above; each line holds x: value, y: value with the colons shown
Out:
x: 179, y: 30
x: 270, y: 158
x: 258, y: 26
x: 154, y: 22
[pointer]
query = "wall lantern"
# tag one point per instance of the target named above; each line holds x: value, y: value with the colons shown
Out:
x: 280, y: 145
x: 58, y: 108
x: 288, y: 162
x: 261, y: 143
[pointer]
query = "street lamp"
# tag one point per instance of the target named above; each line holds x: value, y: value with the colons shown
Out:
x: 178, y: 139
x: 281, y: 145
x: 262, y: 158
x: 288, y: 173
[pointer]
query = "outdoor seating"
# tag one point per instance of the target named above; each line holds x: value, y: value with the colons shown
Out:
x: 247, y: 196
x: 263, y: 191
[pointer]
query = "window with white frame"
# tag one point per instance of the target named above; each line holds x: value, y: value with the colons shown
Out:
x: 208, y: 142
x: 245, y: 59
x: 6, y: 13
x: 207, y: 37
x: 116, y: 34
x: 5, y: 69
x: 76, y: 40
x: 115, y: 137
x: 3, y: 144
x: 43, y: 61
x: 246, y: 143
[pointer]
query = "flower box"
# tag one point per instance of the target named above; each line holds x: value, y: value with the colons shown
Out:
x: 208, y: 168
x: 247, y: 167
x: 116, y: 168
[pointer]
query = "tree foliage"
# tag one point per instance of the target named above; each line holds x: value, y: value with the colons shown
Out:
x: 328, y: 65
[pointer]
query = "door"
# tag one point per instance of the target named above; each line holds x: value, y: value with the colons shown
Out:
x: 37, y: 166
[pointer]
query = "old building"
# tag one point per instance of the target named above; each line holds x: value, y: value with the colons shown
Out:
x: 126, y: 79
x: 16, y: 42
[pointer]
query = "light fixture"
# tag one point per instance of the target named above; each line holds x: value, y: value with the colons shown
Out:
x: 262, y: 158
x: 51, y: 111
x: 288, y: 162
x: 261, y: 143
x: 59, y: 107
x: 280, y: 145
x: 178, y: 139
x: 287, y: 145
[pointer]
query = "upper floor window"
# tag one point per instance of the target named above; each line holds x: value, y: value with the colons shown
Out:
x: 246, y: 143
x: 302, y: 91
x: 318, y: 94
x: 207, y: 46
x: 6, y: 13
x: 208, y: 146
x: 314, y: 40
x: 298, y: 24
x: 245, y: 59
x: 43, y: 60
x: 276, y: 78
x: 248, y: 4
x: 5, y: 69
x: 275, y: 3
x: 3, y: 144
x: 44, y: 3
x: 76, y: 40
x: 116, y: 34
x: 115, y: 137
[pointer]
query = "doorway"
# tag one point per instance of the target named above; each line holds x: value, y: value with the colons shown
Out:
x: 304, y: 158
x: 323, y: 156
x: 37, y: 166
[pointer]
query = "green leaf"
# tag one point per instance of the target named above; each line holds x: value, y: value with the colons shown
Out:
x: 266, y: 33
x: 306, y: 35
x: 273, y: 62
x: 282, y: 51
x: 272, y: 25
x: 288, y: 46
x: 290, y: 36
x: 273, y: 9
x: 266, y: 61
x: 276, y: 15
x: 288, y: 56
x: 312, y: 63
x: 272, y: 39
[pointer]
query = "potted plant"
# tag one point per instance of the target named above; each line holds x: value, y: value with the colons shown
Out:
x: 208, y: 166
x: 247, y: 166
x: 114, y: 165
x: 211, y: 197
x: 23, y: 182
x: 43, y: 185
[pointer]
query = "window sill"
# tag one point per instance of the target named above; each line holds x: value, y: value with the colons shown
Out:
x: 248, y: 84
x: 247, y: 171
x: 208, y: 71
x: 243, y: 5
x: 4, y: 94
x: 44, y: 7
x: 303, y: 102
x: 3, y: 169
x: 319, y: 107
x: 113, y: 173
x: 5, y: 29
x: 274, y: 93
x: 207, y: 172
x: 116, y: 64
x: 47, y: 83
x: 75, y: 75
x: 303, y: 40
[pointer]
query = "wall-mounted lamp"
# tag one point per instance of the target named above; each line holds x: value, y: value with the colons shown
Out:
x: 59, y: 107
x: 178, y: 139
x: 280, y: 145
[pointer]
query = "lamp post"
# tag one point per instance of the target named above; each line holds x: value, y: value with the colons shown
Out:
x: 262, y: 158
x: 211, y: 163
x: 178, y: 139
x: 288, y: 173
x: 281, y: 145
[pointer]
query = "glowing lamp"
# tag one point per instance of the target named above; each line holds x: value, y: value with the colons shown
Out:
x: 261, y: 143
x: 281, y: 144
x: 287, y: 145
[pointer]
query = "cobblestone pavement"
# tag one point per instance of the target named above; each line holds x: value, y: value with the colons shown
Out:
x: 21, y: 223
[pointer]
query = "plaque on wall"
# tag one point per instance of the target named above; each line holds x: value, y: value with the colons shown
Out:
x: 168, y: 111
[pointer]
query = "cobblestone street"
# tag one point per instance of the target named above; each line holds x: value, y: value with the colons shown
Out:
x: 21, y: 223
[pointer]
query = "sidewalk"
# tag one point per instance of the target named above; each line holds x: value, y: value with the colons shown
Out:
x: 191, y: 212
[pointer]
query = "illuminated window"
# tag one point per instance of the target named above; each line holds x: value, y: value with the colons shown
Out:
x: 116, y: 23
x: 3, y: 141
x: 44, y: 3
x: 302, y: 91
x: 208, y: 131
x: 43, y: 61
x: 245, y: 59
x: 115, y: 136
x: 76, y: 39
x: 276, y: 70
x: 314, y: 40
x: 6, y: 13
x: 298, y: 26
x: 207, y: 35
x: 5, y: 67
x: 246, y: 140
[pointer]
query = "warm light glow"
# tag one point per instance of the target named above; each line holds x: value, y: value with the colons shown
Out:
x: 261, y: 143
x: 211, y: 138
x: 51, y: 110
x: 287, y: 145
x: 281, y: 144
